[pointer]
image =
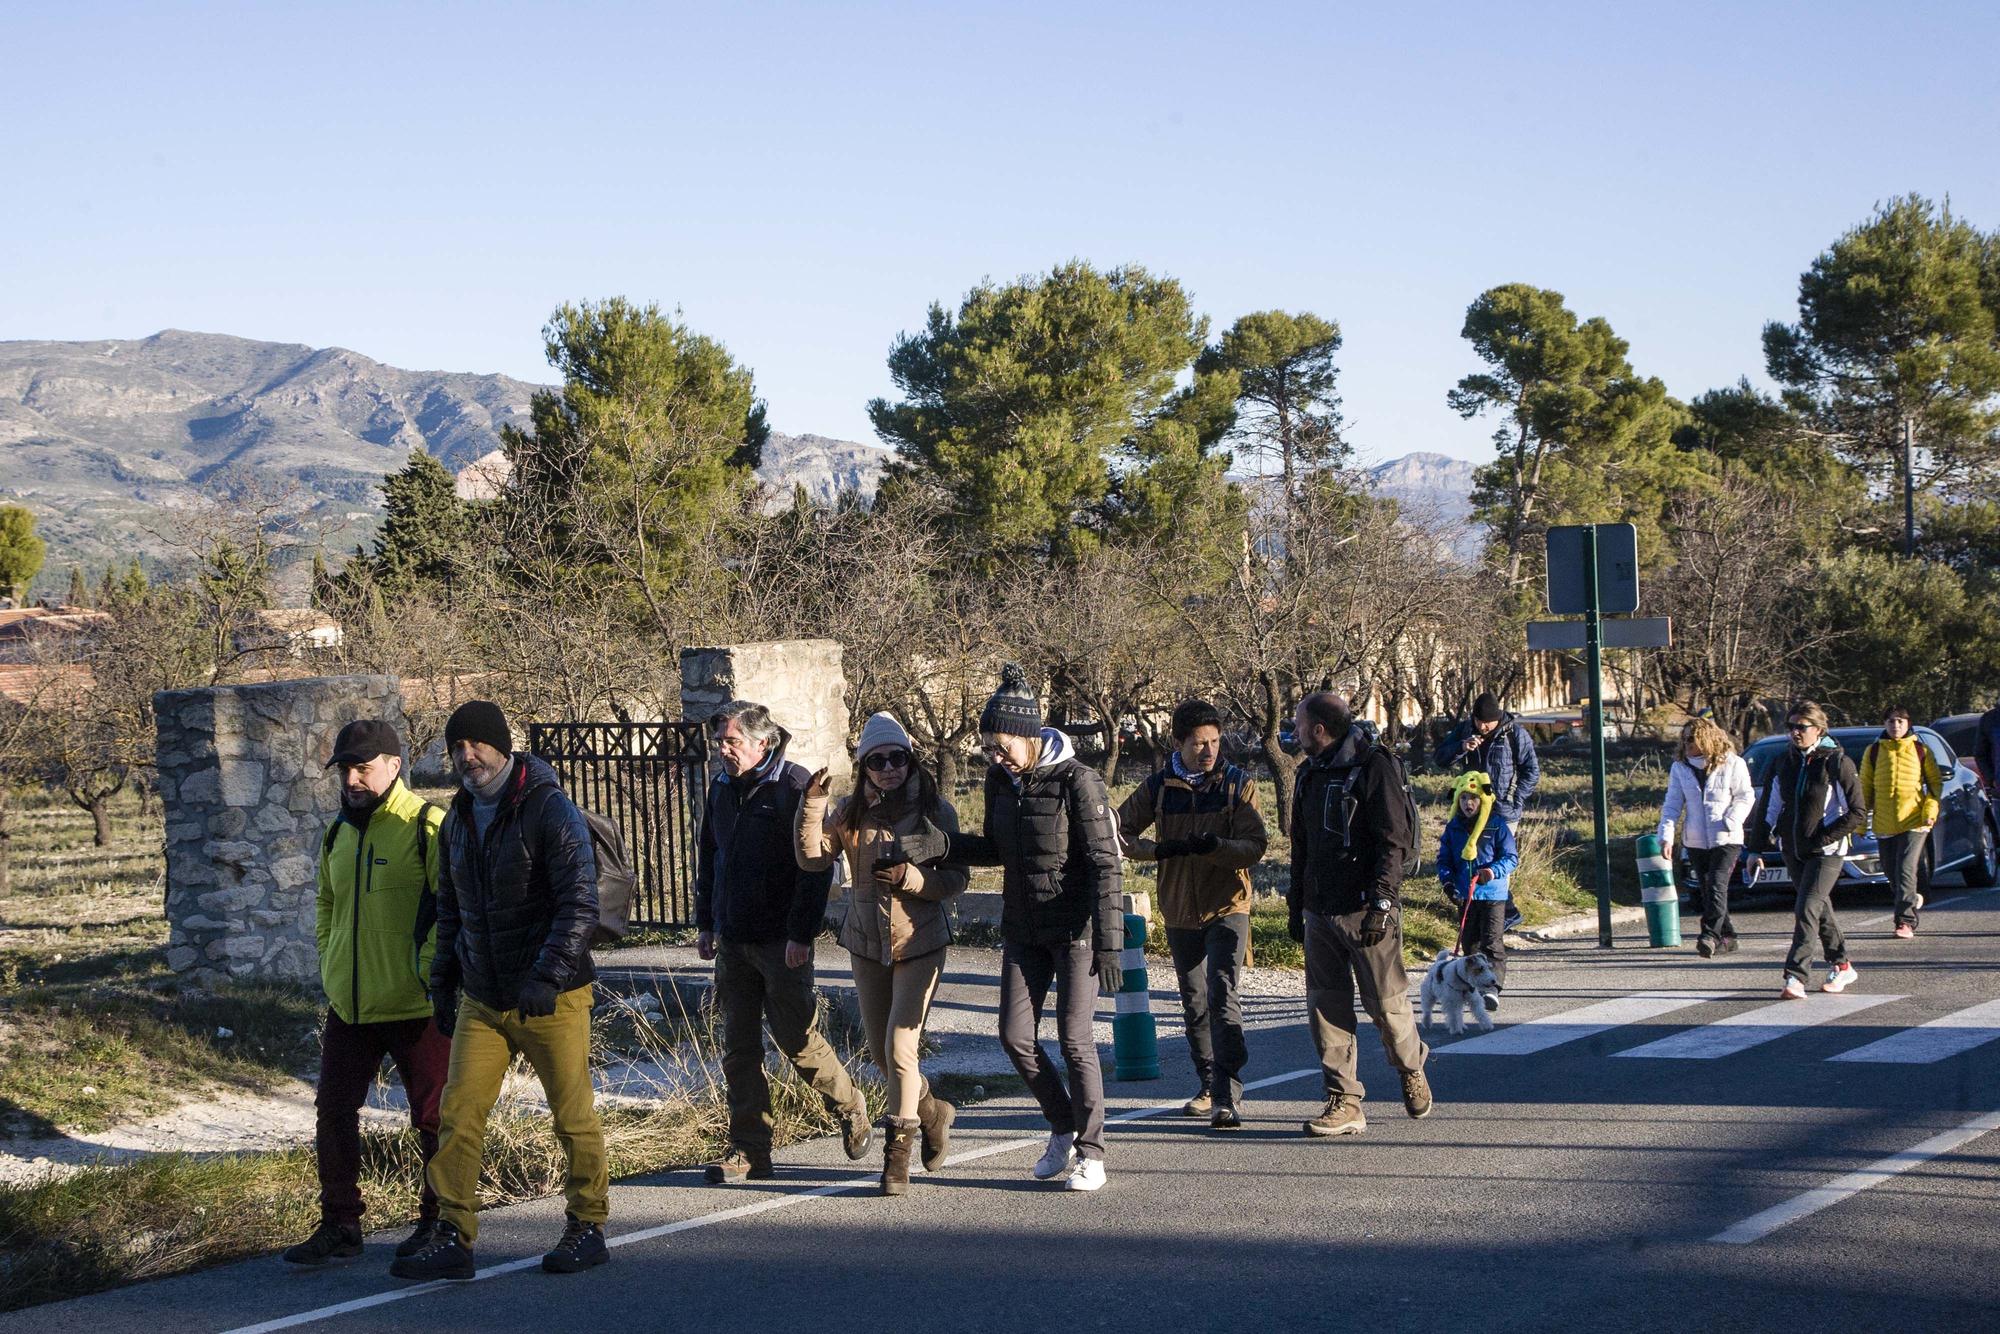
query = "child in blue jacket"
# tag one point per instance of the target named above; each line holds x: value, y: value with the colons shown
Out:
x: 1476, y: 855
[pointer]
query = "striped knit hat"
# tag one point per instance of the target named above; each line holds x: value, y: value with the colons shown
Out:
x: 1013, y: 710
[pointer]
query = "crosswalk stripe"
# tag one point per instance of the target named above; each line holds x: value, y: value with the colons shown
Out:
x: 1572, y: 1025
x: 1766, y: 1023
x: 1935, y: 1041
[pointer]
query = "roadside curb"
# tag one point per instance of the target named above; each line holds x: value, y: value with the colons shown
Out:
x: 1581, y: 924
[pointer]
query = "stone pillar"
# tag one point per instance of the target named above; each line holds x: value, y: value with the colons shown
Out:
x: 247, y: 801
x: 799, y: 680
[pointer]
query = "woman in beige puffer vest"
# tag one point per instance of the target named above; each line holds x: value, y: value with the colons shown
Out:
x: 895, y: 931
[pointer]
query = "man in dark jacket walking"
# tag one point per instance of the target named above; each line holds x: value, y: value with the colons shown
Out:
x: 374, y: 924
x: 1351, y: 834
x: 756, y: 914
x: 1813, y: 804
x: 1049, y: 827
x: 517, y: 903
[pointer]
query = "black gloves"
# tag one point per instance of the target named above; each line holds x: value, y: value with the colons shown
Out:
x: 1110, y: 972
x: 444, y: 1008
x: 1375, y: 924
x: 1296, y: 927
x: 1195, y: 845
x: 538, y: 999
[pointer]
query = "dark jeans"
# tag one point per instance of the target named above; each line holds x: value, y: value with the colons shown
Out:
x: 754, y: 988
x: 1338, y: 964
x: 1812, y: 913
x: 1712, y: 869
x: 1486, y: 933
x: 1207, y: 961
x: 350, y: 1055
x: 1025, y: 974
x: 1903, y: 863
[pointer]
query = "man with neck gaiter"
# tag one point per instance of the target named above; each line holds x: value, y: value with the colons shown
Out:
x: 373, y: 921
x: 517, y: 902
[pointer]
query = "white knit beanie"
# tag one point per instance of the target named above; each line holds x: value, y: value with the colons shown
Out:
x: 878, y: 732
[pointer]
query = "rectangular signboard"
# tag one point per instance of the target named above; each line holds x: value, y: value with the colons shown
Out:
x: 1617, y: 569
x: 1569, y: 636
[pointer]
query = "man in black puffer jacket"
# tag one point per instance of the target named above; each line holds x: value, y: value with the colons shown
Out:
x: 1050, y: 827
x: 517, y: 902
x: 1351, y: 834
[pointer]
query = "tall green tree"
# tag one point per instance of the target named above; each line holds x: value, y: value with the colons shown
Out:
x: 21, y: 550
x: 79, y: 592
x: 1020, y: 405
x: 1583, y: 437
x: 426, y: 529
x: 1895, y: 344
x: 630, y: 464
x: 1287, y: 407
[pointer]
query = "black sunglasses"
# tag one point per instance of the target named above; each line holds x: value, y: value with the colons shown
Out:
x: 883, y: 760
x: 1803, y: 727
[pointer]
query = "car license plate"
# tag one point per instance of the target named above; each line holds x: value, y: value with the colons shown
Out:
x: 1769, y: 874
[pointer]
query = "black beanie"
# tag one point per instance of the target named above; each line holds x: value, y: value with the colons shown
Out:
x: 1486, y: 709
x: 479, y: 720
x: 1013, y: 710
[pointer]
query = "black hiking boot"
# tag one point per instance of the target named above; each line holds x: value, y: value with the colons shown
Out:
x: 582, y: 1247
x: 329, y: 1241
x: 445, y: 1256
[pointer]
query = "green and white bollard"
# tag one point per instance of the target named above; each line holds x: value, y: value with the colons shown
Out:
x: 1658, y: 892
x: 1135, y: 1042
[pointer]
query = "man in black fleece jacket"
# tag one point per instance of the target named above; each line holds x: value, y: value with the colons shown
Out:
x: 1351, y: 834
x: 756, y: 914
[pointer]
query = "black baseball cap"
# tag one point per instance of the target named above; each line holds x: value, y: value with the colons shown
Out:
x: 362, y: 740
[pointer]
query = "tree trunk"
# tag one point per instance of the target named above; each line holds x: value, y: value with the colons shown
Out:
x: 1283, y: 766
x: 6, y: 841
x: 100, y: 812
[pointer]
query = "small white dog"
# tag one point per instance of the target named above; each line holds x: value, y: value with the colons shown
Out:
x: 1459, y: 983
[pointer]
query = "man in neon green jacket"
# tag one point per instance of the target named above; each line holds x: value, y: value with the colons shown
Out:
x: 376, y: 929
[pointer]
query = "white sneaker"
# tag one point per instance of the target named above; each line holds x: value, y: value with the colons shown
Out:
x: 1841, y: 978
x: 1916, y: 902
x: 1794, y: 990
x: 1056, y: 1159
x: 1088, y: 1174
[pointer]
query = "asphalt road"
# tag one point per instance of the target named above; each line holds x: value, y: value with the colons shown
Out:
x: 1649, y: 1141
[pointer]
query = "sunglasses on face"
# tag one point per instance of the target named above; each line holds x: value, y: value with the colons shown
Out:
x: 883, y: 760
x: 1802, y: 727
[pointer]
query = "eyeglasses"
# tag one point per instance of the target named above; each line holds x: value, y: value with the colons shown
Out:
x: 883, y: 760
x: 1802, y: 727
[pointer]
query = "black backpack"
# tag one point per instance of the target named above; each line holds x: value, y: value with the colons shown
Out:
x: 1343, y: 792
x: 615, y: 879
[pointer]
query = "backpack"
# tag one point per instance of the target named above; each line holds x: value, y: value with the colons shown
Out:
x: 1343, y: 793
x: 615, y: 878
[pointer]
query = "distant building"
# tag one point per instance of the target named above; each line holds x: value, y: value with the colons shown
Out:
x: 27, y: 634
x: 294, y: 632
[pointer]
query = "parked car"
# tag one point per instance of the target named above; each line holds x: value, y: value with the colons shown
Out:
x: 1964, y: 838
x: 1961, y: 732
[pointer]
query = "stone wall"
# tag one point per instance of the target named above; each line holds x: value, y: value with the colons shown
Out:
x: 800, y: 681
x: 247, y: 801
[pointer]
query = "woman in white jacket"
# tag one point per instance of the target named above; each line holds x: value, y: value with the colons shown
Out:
x: 1708, y: 798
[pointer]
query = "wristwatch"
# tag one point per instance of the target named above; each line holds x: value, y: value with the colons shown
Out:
x: 1383, y: 905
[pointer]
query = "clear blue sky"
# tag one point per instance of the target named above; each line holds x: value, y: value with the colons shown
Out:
x: 424, y: 183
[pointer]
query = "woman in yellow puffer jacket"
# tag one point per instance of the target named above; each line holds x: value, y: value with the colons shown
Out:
x: 1901, y: 785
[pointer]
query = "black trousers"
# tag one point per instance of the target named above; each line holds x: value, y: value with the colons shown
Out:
x: 1026, y: 973
x: 1485, y: 932
x: 1813, y: 921
x: 1712, y: 869
x: 1208, y: 961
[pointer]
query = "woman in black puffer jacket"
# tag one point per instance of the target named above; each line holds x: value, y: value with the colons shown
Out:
x: 1050, y: 828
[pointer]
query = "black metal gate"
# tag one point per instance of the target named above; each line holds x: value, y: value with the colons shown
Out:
x: 651, y: 780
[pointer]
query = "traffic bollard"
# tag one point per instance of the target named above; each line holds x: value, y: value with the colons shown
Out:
x: 1135, y: 1042
x: 1659, y: 893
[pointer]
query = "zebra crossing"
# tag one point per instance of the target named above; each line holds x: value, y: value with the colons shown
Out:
x: 1762, y: 1023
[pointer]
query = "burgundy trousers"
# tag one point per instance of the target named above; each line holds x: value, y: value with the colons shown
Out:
x: 349, y: 1057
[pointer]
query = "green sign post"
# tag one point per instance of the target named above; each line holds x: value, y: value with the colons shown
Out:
x: 1592, y: 568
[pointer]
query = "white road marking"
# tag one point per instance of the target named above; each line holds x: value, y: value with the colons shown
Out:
x: 1935, y: 1041
x: 1573, y: 1025
x: 1753, y: 1028
x: 1758, y: 1226
x: 1930, y: 905
x: 710, y: 1220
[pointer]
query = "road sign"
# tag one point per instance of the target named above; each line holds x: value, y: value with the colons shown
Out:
x: 1636, y: 632
x: 1617, y: 546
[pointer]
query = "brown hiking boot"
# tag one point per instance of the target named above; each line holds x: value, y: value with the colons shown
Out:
x: 1201, y: 1104
x: 856, y: 1131
x: 898, y: 1138
x: 934, y: 1116
x: 1416, y: 1095
x: 739, y: 1165
x: 1341, y: 1117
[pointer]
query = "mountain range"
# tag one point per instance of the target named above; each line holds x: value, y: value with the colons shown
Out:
x: 101, y: 439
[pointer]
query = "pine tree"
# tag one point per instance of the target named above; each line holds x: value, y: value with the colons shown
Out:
x: 79, y: 592
x: 426, y: 530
